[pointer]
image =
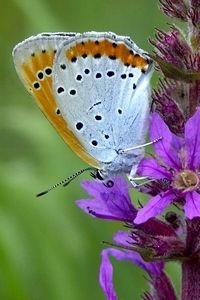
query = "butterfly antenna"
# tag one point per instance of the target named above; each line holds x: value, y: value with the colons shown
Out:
x: 66, y: 181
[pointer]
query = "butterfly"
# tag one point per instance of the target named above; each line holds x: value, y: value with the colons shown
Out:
x: 94, y: 88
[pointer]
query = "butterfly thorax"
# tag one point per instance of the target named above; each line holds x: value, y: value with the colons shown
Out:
x: 123, y: 163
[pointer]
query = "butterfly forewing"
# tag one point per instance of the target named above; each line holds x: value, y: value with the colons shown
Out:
x: 34, y: 60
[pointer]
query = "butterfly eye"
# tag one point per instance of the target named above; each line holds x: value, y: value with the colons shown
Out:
x: 98, y: 175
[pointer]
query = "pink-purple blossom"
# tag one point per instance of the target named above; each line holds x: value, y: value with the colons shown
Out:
x: 158, y: 280
x: 110, y: 203
x: 177, y: 163
x: 154, y: 234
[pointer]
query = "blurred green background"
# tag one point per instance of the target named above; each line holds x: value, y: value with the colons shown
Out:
x: 49, y: 249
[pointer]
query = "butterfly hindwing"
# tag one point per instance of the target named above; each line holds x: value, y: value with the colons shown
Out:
x: 34, y: 60
x: 101, y: 84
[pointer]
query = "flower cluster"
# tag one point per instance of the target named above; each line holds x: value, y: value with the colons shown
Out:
x: 177, y: 163
x: 178, y: 57
x: 156, y: 232
x: 150, y: 241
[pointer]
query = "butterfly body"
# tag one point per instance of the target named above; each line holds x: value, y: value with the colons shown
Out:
x: 94, y: 88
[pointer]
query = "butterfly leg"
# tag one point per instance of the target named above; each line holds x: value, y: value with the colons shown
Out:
x: 135, y: 179
x: 142, y: 146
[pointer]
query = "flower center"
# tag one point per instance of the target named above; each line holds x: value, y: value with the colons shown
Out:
x: 186, y: 180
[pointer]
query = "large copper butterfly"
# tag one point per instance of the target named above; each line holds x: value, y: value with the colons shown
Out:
x: 94, y: 88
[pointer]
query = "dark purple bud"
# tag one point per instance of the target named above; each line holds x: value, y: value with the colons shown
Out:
x: 172, y: 48
x: 169, y: 100
x: 174, y: 8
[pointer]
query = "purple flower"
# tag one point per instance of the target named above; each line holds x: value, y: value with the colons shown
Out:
x: 174, y: 172
x: 111, y: 203
x: 177, y: 164
x: 159, y: 282
x: 154, y: 239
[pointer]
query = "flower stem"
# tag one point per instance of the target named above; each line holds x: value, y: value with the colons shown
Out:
x: 191, y: 279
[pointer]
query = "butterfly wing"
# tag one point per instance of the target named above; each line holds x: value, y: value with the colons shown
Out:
x: 33, y: 60
x: 101, y: 83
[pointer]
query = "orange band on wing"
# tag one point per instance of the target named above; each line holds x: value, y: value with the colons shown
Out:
x: 110, y: 49
x: 36, y: 75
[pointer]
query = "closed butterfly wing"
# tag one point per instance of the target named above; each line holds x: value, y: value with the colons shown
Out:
x: 34, y: 60
x: 101, y: 84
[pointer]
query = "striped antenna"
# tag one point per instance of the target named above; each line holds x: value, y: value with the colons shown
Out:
x: 65, y: 181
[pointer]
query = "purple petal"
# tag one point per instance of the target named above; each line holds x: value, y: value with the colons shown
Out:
x: 106, y: 269
x: 154, y: 207
x: 106, y: 276
x: 123, y: 238
x: 192, y: 140
x: 192, y: 205
x: 160, y: 284
x: 168, y: 147
x: 111, y: 203
x: 151, y: 168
